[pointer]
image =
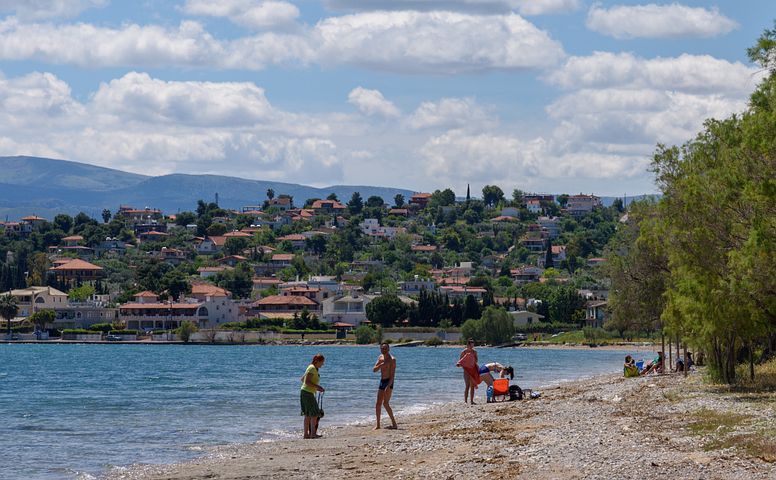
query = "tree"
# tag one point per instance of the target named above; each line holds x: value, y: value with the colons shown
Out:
x: 548, y: 263
x: 375, y: 201
x: 185, y: 330
x: 563, y: 200
x: 332, y: 196
x: 106, y: 215
x: 216, y: 229
x: 270, y: 194
x: 492, y: 195
x: 185, y: 218
x: 239, y: 281
x: 471, y: 308
x: 176, y: 283
x: 8, y: 309
x: 398, y: 200
x: 81, y: 294
x: 63, y: 222
x: 42, y: 318
x: 518, y: 197
x: 365, y: 335
x: 235, y: 245
x: 356, y: 204
x: 386, y: 310
x: 441, y: 198
x: 497, y: 327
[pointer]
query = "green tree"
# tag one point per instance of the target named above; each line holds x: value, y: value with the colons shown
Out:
x: 471, y: 308
x: 176, y: 283
x: 472, y: 328
x: 235, y: 245
x: 42, y: 318
x: 332, y: 196
x: 365, y: 335
x: 185, y: 218
x: 63, y: 222
x: 185, y: 330
x: 106, y: 215
x: 386, y: 310
x: 356, y: 204
x: 398, y: 200
x: 270, y: 194
x: 81, y: 294
x: 239, y: 281
x: 497, y: 327
x: 8, y: 309
x: 375, y: 201
x: 492, y: 195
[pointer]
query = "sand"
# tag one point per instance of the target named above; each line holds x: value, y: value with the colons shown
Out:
x: 608, y: 427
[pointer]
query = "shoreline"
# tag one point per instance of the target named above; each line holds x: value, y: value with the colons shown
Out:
x: 600, y: 427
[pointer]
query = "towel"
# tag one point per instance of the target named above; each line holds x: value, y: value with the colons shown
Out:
x: 469, y: 365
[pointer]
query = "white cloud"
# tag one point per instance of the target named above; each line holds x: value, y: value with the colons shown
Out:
x: 450, y: 113
x: 247, y: 13
x: 690, y: 73
x: 372, y: 103
x: 525, y: 7
x: 436, y: 42
x: 42, y: 9
x: 658, y: 21
x: 138, y: 97
x: 416, y: 42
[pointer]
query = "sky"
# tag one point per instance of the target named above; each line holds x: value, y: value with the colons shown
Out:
x: 552, y: 96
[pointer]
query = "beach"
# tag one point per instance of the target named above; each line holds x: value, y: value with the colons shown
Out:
x: 604, y: 427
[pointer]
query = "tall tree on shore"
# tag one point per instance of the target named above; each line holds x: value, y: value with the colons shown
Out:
x: 270, y: 194
x: 8, y: 309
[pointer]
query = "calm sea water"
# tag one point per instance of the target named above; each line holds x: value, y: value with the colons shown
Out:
x: 76, y: 410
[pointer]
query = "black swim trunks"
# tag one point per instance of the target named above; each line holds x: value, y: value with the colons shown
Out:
x: 384, y: 383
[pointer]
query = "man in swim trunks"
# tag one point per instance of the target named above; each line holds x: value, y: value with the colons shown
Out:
x: 386, y: 364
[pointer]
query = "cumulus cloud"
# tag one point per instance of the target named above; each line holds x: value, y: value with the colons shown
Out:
x: 247, y: 13
x: 658, y: 21
x: 138, y: 97
x: 43, y: 9
x: 372, y: 103
x: 415, y: 42
x: 435, y: 42
x: 450, y: 113
x: 154, y: 126
x: 525, y: 7
x: 691, y: 73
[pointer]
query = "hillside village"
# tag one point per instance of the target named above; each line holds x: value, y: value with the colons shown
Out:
x: 431, y: 260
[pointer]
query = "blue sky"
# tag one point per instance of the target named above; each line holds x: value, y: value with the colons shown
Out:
x: 543, y: 95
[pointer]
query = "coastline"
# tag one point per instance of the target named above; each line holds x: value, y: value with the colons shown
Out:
x: 601, y: 427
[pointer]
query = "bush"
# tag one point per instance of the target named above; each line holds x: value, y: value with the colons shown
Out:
x: 101, y: 327
x: 472, y: 328
x: 434, y: 342
x: 185, y: 330
x: 80, y: 331
x: 365, y: 335
x: 546, y: 327
x: 124, y: 332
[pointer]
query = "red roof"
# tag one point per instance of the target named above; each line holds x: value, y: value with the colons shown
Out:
x: 162, y: 306
x: 267, y: 281
x: 292, y: 237
x: 146, y: 294
x: 285, y: 300
x: 73, y: 238
x: 283, y: 256
x: 238, y: 234
x: 424, y: 248
x: 342, y: 325
x: 328, y: 204
x: 76, y: 264
x: 32, y: 218
x: 207, y: 289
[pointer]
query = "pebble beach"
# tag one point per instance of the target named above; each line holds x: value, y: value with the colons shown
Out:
x: 606, y: 427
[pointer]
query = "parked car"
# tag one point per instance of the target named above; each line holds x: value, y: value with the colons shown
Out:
x: 520, y: 337
x: 113, y: 338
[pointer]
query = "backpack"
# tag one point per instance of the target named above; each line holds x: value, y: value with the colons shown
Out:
x: 515, y: 393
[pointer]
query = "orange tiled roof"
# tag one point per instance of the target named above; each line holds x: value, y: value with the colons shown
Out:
x: 283, y: 256
x: 76, y: 264
x: 286, y: 300
x: 209, y: 290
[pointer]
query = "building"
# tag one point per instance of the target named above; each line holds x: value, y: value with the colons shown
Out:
x: 282, y: 306
x: 522, y: 318
x: 415, y: 286
x: 420, y: 199
x: 282, y: 203
x: 211, y: 245
x: 76, y: 271
x: 371, y: 227
x: 596, y: 313
x: 526, y: 274
x: 579, y: 205
x: 134, y: 216
x: 462, y: 291
x: 37, y: 298
x: 349, y: 308
x: 551, y: 225
x: 327, y: 207
x: 148, y: 313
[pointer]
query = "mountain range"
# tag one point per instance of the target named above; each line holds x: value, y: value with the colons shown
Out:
x: 46, y: 187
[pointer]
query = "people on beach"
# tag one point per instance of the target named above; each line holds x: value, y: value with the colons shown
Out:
x: 311, y: 383
x: 486, y: 372
x: 657, y: 365
x: 471, y: 375
x: 386, y: 365
x: 629, y: 368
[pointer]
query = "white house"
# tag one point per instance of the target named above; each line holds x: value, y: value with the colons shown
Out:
x: 524, y: 317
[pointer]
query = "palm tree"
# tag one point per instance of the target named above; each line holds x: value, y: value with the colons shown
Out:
x: 8, y: 309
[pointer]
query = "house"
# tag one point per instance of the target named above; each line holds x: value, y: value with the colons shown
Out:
x: 527, y: 274
x: 313, y: 293
x: 420, y: 200
x: 415, y: 286
x: 135, y: 216
x: 232, y: 260
x: 281, y: 260
x: 282, y: 203
x: 238, y: 234
x: 37, y: 298
x: 207, y: 312
x: 34, y: 221
x: 534, y: 206
x: 349, y: 308
x: 80, y: 251
x: 327, y: 207
x: 371, y: 227
x: 264, y: 283
x: 551, y: 225
x: 558, y: 256
x: 207, y: 272
x: 579, y: 205
x: 67, y: 314
x: 424, y: 248
x: 204, y: 291
x: 173, y: 256
x: 462, y: 291
x: 211, y: 245
x: 152, y: 236
x: 76, y: 271
x: 110, y: 246
x: 72, y: 241
x: 282, y: 306
x: 521, y: 318
x: 503, y: 219
x: 399, y: 212
x: 297, y: 240
x: 596, y: 313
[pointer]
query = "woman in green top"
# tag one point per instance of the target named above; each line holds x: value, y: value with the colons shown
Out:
x: 310, y: 384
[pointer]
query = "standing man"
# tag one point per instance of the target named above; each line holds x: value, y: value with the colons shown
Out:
x: 386, y: 364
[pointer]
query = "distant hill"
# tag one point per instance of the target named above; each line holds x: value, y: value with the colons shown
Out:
x: 46, y: 187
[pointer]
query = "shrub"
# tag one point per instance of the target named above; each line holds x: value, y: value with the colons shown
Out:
x: 79, y: 331
x: 434, y: 342
x: 185, y: 330
x: 365, y: 335
x: 124, y: 332
x: 102, y: 327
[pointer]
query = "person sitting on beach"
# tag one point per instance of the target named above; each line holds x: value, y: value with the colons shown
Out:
x: 487, y: 377
x: 679, y: 365
x: 386, y: 364
x: 468, y: 361
x: 655, y: 366
x: 310, y: 409
x: 629, y: 368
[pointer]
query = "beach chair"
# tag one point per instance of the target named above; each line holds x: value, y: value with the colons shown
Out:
x: 500, y: 389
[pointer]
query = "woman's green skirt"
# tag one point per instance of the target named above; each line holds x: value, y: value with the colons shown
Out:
x: 309, y: 405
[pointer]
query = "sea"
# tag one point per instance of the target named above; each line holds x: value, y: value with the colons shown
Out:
x: 74, y: 411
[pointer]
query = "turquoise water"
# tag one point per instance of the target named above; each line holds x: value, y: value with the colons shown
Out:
x: 70, y: 410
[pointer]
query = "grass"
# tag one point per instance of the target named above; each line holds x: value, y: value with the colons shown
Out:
x: 764, y: 377
x: 711, y: 421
